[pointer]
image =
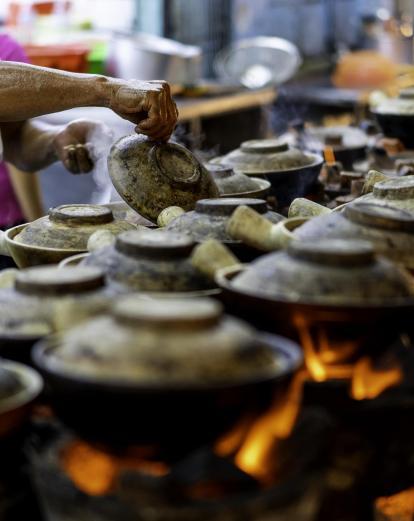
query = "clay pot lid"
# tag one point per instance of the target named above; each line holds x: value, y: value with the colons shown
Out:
x: 333, y: 252
x: 226, y: 207
x: 51, y: 280
x: 339, y: 137
x: 78, y: 214
x: 179, y: 313
x: 382, y: 217
x: 176, y: 163
x: 231, y: 183
x: 266, y: 156
x: 395, y: 188
x: 155, y: 243
x: 264, y: 146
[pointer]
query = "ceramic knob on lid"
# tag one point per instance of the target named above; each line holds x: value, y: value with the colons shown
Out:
x: 265, y: 146
x: 333, y: 253
x: 189, y: 314
x: 50, y: 280
x: 81, y: 214
x: 155, y: 243
x: 382, y: 217
x: 395, y: 188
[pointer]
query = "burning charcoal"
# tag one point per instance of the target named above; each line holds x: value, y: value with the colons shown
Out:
x: 399, y: 507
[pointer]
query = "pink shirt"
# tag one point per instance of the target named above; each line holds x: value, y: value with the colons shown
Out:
x: 10, y: 212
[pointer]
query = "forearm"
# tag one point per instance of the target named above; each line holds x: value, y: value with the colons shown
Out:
x: 29, y: 145
x: 28, y: 193
x: 27, y: 91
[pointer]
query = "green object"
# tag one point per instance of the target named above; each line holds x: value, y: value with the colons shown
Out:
x: 97, y: 58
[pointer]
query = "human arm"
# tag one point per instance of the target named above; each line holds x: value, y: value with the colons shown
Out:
x: 28, y: 193
x: 27, y: 91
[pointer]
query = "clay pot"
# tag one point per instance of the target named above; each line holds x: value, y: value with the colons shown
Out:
x: 189, y: 370
x: 151, y: 176
x: 209, y: 221
x: 47, y: 299
x: 235, y: 184
x: 150, y: 262
x: 19, y: 388
x: 395, y: 116
x: 333, y: 295
x: 324, y: 272
x: 62, y: 233
x: 291, y: 172
x: 349, y: 144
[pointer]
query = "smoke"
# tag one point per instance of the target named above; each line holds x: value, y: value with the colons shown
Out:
x: 100, y: 142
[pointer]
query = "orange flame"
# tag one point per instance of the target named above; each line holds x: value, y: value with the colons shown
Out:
x: 400, y: 506
x: 261, y: 440
x: 95, y: 471
x: 369, y: 382
x: 329, y: 155
x: 326, y: 359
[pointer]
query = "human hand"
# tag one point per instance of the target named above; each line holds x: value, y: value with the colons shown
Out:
x: 148, y: 104
x: 72, y: 145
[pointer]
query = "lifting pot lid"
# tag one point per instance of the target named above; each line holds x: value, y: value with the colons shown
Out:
x: 68, y: 227
x: 151, y: 176
x: 328, y: 272
x: 266, y: 156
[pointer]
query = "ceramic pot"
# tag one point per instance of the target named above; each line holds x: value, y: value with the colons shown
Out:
x: 62, y: 233
x: 333, y: 296
x: 150, y: 261
x: 290, y: 172
x: 191, y: 372
x: 395, y: 116
x: 349, y: 144
x: 44, y: 300
x: 210, y: 218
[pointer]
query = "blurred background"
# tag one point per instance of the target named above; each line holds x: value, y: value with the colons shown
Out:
x: 263, y: 89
